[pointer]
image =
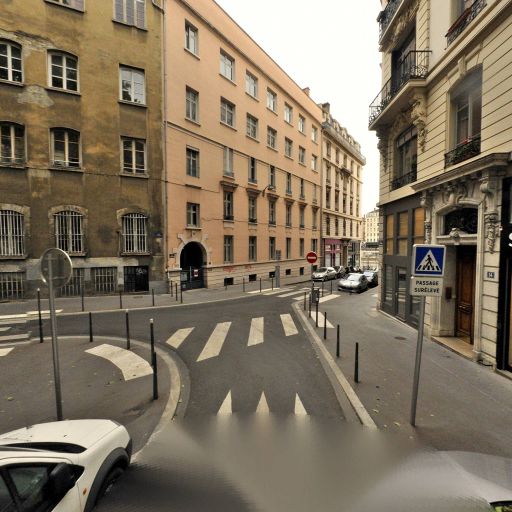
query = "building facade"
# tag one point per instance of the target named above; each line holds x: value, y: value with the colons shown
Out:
x: 342, y: 182
x: 371, y: 240
x: 244, y: 154
x: 81, y: 156
x: 443, y: 122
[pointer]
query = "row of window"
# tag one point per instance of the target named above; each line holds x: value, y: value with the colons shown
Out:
x: 65, y: 149
x: 344, y: 232
x: 69, y: 233
x: 347, y: 207
x: 397, y: 231
x: 229, y: 248
x: 194, y: 212
x: 353, y: 166
x: 228, y: 70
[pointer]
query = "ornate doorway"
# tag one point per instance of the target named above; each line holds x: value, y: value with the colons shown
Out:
x: 191, y: 263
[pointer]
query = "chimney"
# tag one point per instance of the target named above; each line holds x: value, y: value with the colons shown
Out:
x: 307, y: 90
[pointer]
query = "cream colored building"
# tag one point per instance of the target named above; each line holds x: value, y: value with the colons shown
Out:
x: 243, y: 154
x: 342, y: 169
x: 443, y: 119
x: 371, y: 237
x: 371, y: 226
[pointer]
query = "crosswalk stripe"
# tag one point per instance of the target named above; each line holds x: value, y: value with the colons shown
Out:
x: 226, y: 407
x: 275, y: 291
x: 262, y: 405
x: 327, y: 298
x: 215, y: 341
x: 298, y: 298
x: 5, y: 351
x: 179, y: 337
x: 321, y: 321
x: 288, y: 325
x: 290, y: 294
x: 299, y: 407
x: 256, y: 332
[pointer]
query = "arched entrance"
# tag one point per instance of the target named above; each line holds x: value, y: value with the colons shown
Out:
x: 191, y: 263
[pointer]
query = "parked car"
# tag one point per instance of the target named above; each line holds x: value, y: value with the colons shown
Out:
x: 372, y: 277
x: 353, y: 283
x: 340, y: 271
x: 64, y: 466
x: 324, y: 274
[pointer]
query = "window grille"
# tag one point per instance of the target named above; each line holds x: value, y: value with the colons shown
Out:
x: 134, y: 233
x: 12, y: 233
x: 69, y: 234
x: 105, y: 279
x: 11, y: 285
x: 75, y: 284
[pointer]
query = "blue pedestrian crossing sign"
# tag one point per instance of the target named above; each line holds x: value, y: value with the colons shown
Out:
x: 428, y: 260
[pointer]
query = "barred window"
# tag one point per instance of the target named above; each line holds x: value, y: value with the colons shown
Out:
x: 134, y: 155
x: 131, y: 12
x: 63, y: 71
x: 11, y: 285
x: 10, y: 62
x: 12, y: 143
x: 74, y: 287
x: 105, y: 279
x: 65, y: 147
x: 134, y: 233
x: 69, y: 235
x: 12, y: 233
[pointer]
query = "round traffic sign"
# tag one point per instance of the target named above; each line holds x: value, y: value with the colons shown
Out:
x: 311, y: 257
x: 56, y: 267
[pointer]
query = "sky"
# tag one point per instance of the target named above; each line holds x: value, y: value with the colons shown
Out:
x: 332, y: 47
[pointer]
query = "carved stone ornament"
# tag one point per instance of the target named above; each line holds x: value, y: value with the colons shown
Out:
x: 428, y: 232
x: 491, y: 230
x: 382, y: 146
x: 488, y: 188
x: 458, y: 191
x: 419, y: 118
x: 426, y: 202
x: 403, y: 22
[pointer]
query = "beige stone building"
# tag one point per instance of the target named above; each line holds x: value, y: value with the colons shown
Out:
x: 371, y: 240
x: 443, y: 120
x: 81, y: 155
x: 244, y: 154
x: 342, y: 180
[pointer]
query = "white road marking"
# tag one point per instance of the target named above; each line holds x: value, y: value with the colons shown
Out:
x: 179, y: 337
x: 4, y: 329
x: 289, y: 325
x: 262, y: 405
x: 298, y: 298
x: 215, y: 341
x: 5, y: 351
x: 276, y: 291
x: 131, y: 365
x: 375, y: 296
x: 327, y: 298
x: 321, y: 320
x: 226, y: 407
x: 299, y: 407
x: 256, y: 332
x: 291, y: 293
x: 45, y: 312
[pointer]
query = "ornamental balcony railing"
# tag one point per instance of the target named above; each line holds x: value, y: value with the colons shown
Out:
x: 229, y: 217
x: 403, y: 180
x: 414, y: 66
x: 466, y: 149
x: 467, y: 16
x: 387, y: 14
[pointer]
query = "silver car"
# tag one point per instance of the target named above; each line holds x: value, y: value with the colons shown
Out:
x: 324, y: 274
x: 353, y: 283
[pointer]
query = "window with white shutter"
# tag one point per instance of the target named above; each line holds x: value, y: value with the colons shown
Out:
x: 72, y: 4
x: 130, y: 12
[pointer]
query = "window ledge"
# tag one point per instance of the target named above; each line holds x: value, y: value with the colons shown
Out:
x: 232, y: 82
x: 144, y: 176
x: 302, y: 133
x: 10, y: 82
x: 190, y: 52
x: 253, y: 223
x: 288, y: 122
x: 273, y: 111
x: 6, y: 257
x: 229, y: 176
x: 273, y: 149
x: 77, y: 254
x: 193, y: 121
x: 302, y: 163
x: 228, y: 126
x: 130, y: 254
x: 252, y: 138
x: 252, y: 182
x: 132, y: 104
x: 5, y: 165
x: 255, y: 98
x: 81, y: 11
x: 194, y: 228
x: 190, y: 185
x: 64, y: 91
x: 289, y: 157
x: 128, y: 25
x: 78, y: 170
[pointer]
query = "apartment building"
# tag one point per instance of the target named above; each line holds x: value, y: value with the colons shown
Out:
x: 244, y: 154
x: 371, y: 240
x: 445, y: 138
x: 81, y: 147
x: 342, y: 182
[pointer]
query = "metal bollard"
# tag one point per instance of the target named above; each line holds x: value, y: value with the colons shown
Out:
x: 325, y: 325
x: 260, y: 284
x: 41, y: 337
x: 338, y: 341
x: 91, y: 338
x: 120, y: 299
x: 172, y: 288
x: 305, y: 301
x: 82, y: 298
x: 331, y: 286
x: 153, y: 360
x: 310, y: 300
x: 323, y: 283
x: 356, y: 364
x: 243, y: 283
x: 272, y: 283
x: 176, y: 290
x: 127, y: 330
x: 316, y: 307
x: 181, y: 293
x: 153, y: 297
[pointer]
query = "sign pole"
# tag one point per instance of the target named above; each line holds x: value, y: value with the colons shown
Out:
x: 53, y: 323
x: 417, y: 366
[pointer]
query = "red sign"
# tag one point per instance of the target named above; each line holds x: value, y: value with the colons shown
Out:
x: 311, y: 257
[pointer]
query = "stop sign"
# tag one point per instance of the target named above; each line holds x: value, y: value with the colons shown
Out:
x: 311, y: 257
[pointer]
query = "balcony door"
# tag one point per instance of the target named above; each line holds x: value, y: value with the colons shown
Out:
x: 403, y: 60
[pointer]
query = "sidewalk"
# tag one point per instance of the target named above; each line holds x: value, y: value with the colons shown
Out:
x: 136, y: 301
x: 461, y: 405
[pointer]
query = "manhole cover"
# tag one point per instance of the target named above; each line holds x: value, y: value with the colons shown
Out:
x: 401, y: 338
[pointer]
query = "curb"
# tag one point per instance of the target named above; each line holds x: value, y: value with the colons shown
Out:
x: 342, y: 388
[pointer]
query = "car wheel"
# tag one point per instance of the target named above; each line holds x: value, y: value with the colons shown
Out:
x: 109, y: 481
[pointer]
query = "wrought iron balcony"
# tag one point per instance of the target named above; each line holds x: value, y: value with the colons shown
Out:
x: 229, y: 217
x: 403, y: 180
x: 387, y: 14
x: 414, y: 66
x: 467, y: 16
x: 467, y: 149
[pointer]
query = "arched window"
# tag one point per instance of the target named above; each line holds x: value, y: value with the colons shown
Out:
x: 12, y: 233
x: 62, y: 71
x: 12, y: 143
x: 135, y: 233
x: 69, y: 231
x: 10, y: 62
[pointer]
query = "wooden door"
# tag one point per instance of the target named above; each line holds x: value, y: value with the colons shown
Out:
x: 466, y: 263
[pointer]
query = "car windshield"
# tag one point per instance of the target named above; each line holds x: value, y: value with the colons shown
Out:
x: 354, y: 277
x: 322, y: 269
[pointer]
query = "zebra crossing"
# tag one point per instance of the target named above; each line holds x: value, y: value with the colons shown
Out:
x: 217, y: 338
x: 226, y: 408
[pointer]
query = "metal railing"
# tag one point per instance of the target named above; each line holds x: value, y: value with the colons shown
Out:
x: 467, y: 16
x: 467, y: 149
x: 386, y: 15
x: 413, y: 66
x: 403, y: 180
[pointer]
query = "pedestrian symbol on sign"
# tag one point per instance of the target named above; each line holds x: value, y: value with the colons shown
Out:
x: 428, y: 264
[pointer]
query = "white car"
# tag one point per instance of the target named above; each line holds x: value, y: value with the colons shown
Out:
x: 324, y: 274
x: 63, y: 466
